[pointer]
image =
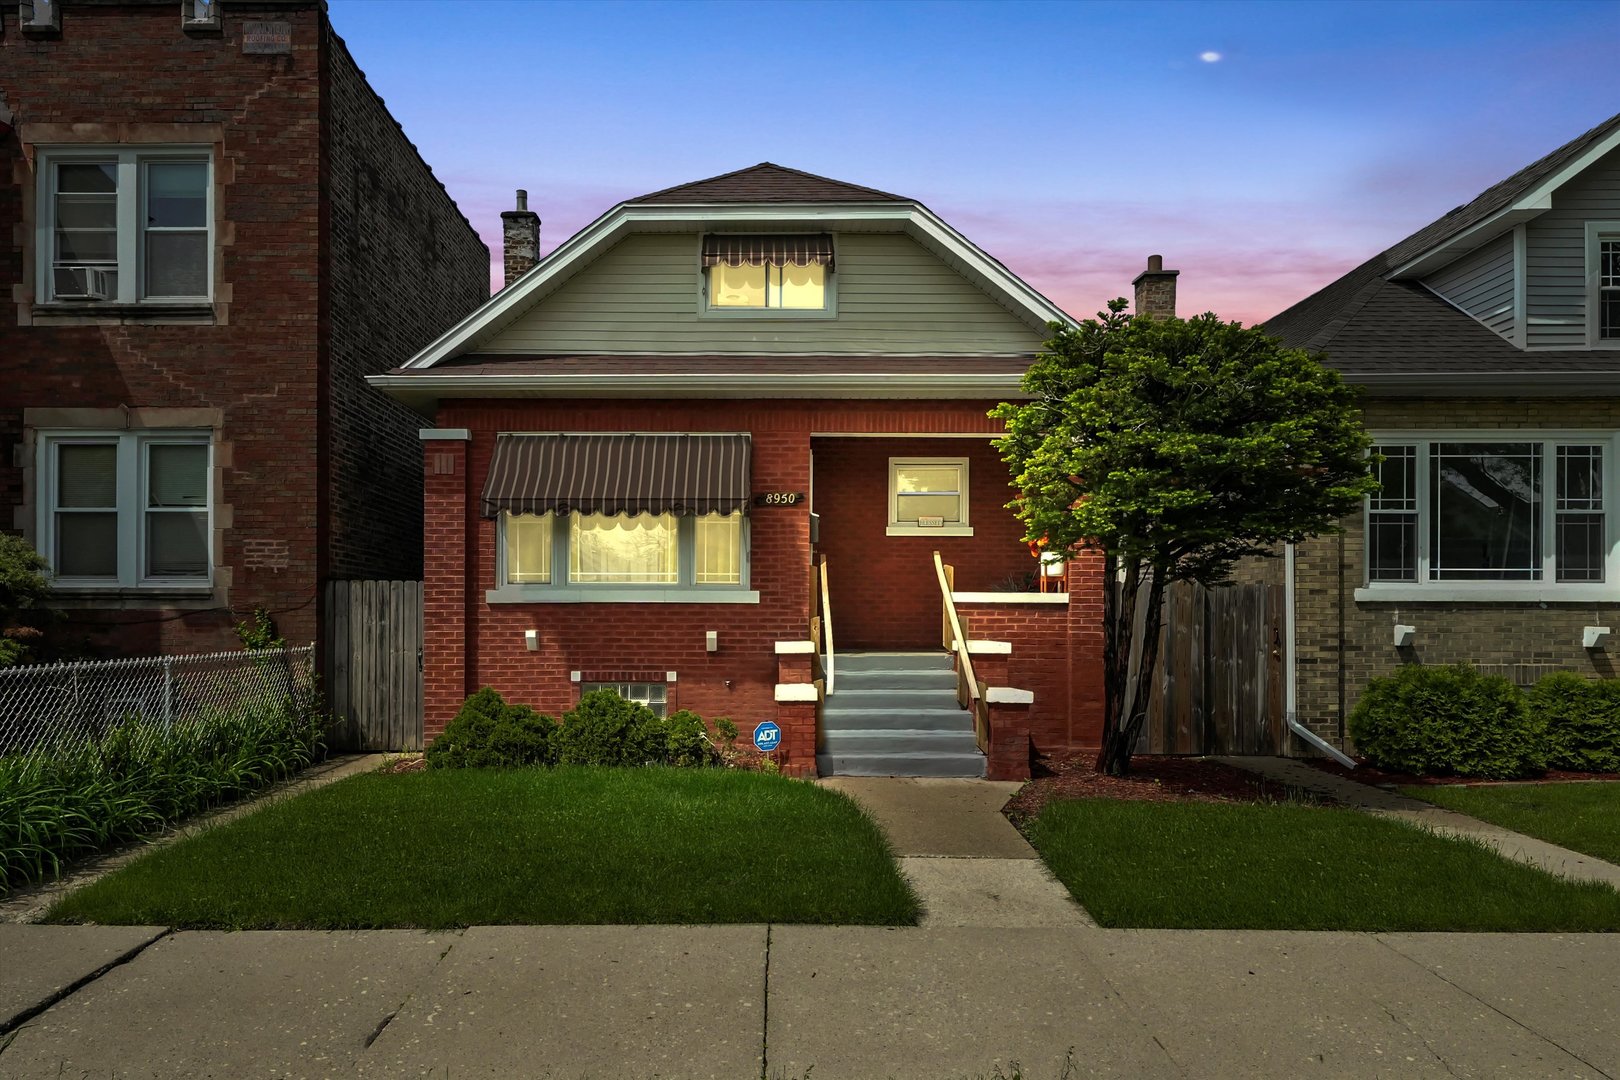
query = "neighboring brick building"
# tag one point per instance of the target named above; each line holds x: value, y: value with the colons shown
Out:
x: 646, y: 441
x: 1488, y: 346
x: 213, y: 229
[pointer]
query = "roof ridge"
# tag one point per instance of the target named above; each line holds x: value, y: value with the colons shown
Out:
x: 845, y: 185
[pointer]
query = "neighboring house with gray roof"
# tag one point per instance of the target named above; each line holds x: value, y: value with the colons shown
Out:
x: 1488, y: 348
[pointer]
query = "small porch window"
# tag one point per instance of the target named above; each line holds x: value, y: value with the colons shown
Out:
x: 928, y: 497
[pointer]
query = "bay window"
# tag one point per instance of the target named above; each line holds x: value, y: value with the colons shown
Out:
x: 1494, y: 516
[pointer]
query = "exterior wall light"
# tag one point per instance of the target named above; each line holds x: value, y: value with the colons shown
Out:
x: 1593, y: 637
x: 1403, y: 635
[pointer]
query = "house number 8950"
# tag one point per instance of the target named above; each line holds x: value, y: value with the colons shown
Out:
x: 779, y: 498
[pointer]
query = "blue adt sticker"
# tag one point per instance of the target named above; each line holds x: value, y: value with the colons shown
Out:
x: 767, y: 737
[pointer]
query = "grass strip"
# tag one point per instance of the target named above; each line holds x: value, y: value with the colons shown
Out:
x: 1582, y: 817
x: 1291, y: 867
x: 458, y: 847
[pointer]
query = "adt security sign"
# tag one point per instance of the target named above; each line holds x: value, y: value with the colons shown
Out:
x: 767, y: 737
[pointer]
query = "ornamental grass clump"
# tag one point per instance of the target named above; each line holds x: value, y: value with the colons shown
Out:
x: 1449, y: 720
x: 1582, y: 718
x: 73, y: 798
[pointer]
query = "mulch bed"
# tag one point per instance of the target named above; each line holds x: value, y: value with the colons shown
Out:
x: 1370, y: 774
x: 1152, y: 779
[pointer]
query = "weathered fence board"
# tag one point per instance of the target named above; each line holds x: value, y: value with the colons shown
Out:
x: 373, y: 662
x: 1217, y: 687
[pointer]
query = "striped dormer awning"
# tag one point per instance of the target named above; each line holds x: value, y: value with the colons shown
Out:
x: 618, y: 474
x: 773, y: 249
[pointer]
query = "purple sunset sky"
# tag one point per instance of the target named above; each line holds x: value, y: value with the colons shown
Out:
x: 1262, y: 148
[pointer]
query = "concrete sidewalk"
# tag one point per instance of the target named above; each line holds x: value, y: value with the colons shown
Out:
x: 850, y: 1003
x: 962, y: 857
x: 1383, y: 802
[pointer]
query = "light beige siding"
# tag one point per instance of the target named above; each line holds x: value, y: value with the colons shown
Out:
x: 893, y: 296
x: 1481, y: 283
x: 1556, y: 254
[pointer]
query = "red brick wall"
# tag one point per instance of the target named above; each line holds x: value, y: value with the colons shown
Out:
x: 885, y: 591
x: 403, y: 266
x: 471, y: 643
x: 133, y: 65
x: 1057, y: 654
x: 297, y: 426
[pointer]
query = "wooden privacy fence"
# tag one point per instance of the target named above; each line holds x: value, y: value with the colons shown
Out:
x: 374, y: 663
x: 1218, y: 684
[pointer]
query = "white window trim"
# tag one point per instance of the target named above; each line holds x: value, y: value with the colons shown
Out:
x: 560, y: 590
x: 1596, y: 232
x: 829, y: 292
x: 132, y: 160
x: 1548, y: 590
x: 897, y: 527
x: 132, y: 481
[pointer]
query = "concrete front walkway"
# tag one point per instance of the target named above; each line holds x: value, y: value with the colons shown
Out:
x: 1383, y: 802
x: 963, y: 858
x: 851, y: 1003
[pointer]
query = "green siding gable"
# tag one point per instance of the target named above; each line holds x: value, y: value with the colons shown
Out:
x: 893, y: 296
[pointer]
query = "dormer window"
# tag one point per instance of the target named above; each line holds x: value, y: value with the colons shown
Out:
x: 773, y: 272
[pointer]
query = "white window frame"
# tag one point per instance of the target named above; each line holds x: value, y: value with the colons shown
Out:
x: 562, y: 590
x: 1596, y: 233
x: 1549, y: 589
x: 131, y: 498
x: 906, y: 528
x: 829, y: 293
x: 131, y: 162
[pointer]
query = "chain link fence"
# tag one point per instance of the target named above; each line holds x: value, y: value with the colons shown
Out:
x: 58, y: 704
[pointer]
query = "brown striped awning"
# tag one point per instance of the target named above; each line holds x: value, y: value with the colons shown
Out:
x: 774, y: 249
x: 618, y: 474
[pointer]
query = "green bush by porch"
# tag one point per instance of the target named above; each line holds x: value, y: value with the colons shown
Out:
x: 1290, y: 867
x: 457, y: 847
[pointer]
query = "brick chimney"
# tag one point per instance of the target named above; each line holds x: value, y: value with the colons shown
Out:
x: 1156, y: 290
x: 520, y: 231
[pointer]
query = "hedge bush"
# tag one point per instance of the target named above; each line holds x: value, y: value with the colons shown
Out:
x: 1582, y: 717
x: 489, y: 733
x: 1449, y: 720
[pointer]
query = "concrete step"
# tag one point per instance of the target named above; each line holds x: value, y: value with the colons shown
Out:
x: 943, y: 719
x: 935, y: 660
x: 890, y: 699
x: 898, y: 741
x: 891, y: 680
x: 925, y: 763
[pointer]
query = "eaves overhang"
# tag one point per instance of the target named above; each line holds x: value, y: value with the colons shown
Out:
x: 423, y: 392
x: 1486, y: 383
x: 579, y: 250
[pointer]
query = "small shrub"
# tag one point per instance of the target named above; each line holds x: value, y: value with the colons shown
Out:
x: 605, y: 729
x: 24, y: 591
x: 687, y: 742
x: 489, y: 733
x: 1449, y: 720
x: 1582, y: 717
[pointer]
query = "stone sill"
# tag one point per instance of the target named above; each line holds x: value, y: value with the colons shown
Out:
x: 520, y: 595
x: 96, y: 314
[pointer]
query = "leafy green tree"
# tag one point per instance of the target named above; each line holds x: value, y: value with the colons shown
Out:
x: 24, y: 590
x: 1175, y: 447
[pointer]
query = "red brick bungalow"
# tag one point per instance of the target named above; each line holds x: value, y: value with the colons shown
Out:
x: 652, y: 442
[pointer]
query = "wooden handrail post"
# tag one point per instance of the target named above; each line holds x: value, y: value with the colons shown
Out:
x: 964, y: 659
x: 827, y: 626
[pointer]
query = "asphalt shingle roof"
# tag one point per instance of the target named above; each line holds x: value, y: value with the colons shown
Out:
x: 767, y: 183
x: 1368, y: 324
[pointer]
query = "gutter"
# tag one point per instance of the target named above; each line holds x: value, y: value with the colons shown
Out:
x: 1291, y: 673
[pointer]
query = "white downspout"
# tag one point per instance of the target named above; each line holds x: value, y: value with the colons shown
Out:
x: 1290, y: 672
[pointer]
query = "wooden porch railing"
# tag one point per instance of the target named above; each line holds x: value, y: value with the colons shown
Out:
x: 970, y: 692
x: 830, y: 664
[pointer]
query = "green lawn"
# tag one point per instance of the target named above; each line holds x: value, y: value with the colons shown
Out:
x: 567, y: 845
x: 1581, y: 817
x: 1291, y: 867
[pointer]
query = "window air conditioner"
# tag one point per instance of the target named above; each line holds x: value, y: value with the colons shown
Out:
x: 86, y: 283
x: 40, y: 14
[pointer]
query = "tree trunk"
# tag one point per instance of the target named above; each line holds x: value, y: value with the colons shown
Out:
x: 1119, y: 619
x: 1121, y: 732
